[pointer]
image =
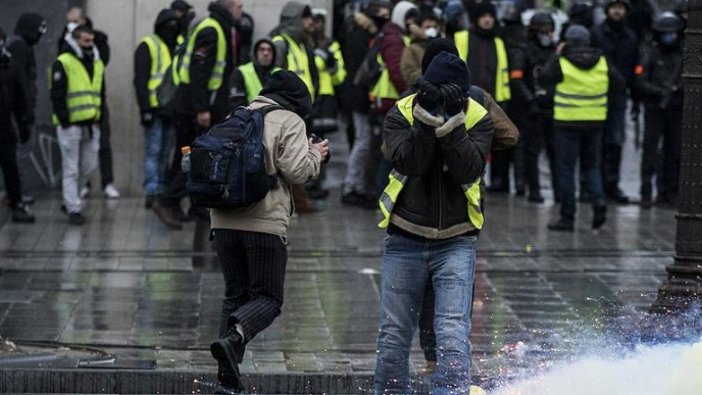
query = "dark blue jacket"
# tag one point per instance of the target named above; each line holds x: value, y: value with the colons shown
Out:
x: 620, y: 46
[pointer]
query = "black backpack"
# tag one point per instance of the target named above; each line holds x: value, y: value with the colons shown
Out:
x: 228, y: 163
x: 370, y: 70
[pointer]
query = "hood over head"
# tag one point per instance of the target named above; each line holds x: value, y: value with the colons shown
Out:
x: 30, y: 26
x: 288, y: 90
x: 164, y: 16
x: 291, y: 20
x: 399, y: 12
x: 258, y: 43
x: 434, y: 48
x: 582, y: 57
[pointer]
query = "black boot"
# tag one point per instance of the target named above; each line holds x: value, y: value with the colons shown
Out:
x: 229, y: 379
x: 562, y: 225
x: 599, y: 216
x: 229, y: 349
x: 21, y: 214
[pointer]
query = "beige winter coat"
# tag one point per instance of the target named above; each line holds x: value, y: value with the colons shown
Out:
x: 289, y: 156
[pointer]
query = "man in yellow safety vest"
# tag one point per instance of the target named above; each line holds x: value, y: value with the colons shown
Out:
x: 77, y: 91
x: 437, y: 141
x: 152, y: 59
x: 248, y: 79
x: 201, y: 99
x: 583, y: 80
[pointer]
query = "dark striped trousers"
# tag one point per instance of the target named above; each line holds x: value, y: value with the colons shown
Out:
x: 253, y: 265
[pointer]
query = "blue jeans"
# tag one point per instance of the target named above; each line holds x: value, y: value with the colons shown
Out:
x: 408, y: 265
x: 159, y: 142
x: 571, y: 145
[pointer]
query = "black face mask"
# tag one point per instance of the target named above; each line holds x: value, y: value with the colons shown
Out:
x: 380, y: 21
x: 169, y: 32
x: 88, y: 52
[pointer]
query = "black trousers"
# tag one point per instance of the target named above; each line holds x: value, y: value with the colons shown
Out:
x: 186, y: 131
x: 105, y: 152
x: 663, y: 124
x: 8, y: 162
x: 253, y: 265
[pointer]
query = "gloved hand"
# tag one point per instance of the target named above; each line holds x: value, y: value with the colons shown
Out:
x: 331, y: 63
x: 428, y: 96
x: 147, y: 118
x: 24, y: 133
x: 453, y: 97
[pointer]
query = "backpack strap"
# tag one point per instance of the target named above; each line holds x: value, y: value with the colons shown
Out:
x: 266, y: 109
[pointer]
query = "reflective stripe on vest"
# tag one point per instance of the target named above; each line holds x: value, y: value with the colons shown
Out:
x: 251, y: 81
x: 384, y: 88
x: 215, y: 81
x: 582, y: 95
x: 160, y: 62
x: 397, y: 180
x: 502, y: 89
x: 327, y: 81
x: 298, y: 62
x: 83, y: 97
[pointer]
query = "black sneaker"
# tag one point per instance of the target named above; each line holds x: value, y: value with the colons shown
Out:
x: 76, y: 219
x: 149, y: 201
x: 599, y: 216
x: 20, y: 214
x: 535, y: 198
x: 646, y: 202
x: 358, y: 200
x: 617, y: 195
x: 561, y: 226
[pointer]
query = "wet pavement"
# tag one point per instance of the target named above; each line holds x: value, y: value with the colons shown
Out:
x: 124, y: 292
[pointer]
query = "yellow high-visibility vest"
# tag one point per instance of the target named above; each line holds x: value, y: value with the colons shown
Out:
x: 84, y: 95
x: 327, y: 81
x: 582, y: 95
x: 384, y: 88
x: 476, y: 112
x: 298, y: 62
x: 502, y: 90
x: 216, y: 78
x: 251, y: 81
x: 160, y: 62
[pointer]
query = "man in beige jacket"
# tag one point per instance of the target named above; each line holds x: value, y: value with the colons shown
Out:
x: 251, y: 242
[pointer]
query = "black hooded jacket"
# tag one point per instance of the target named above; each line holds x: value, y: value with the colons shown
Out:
x: 142, y: 62
x: 27, y: 34
x: 660, y: 80
x: 525, y: 62
x: 585, y: 58
x: 12, y: 101
x: 237, y: 92
x: 194, y: 97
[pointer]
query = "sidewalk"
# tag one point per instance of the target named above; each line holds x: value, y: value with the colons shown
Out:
x: 122, y: 304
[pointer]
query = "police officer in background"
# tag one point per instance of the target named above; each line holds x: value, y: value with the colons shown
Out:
x: 583, y: 80
x: 151, y: 61
x: 13, y: 104
x: 661, y: 85
x: 202, y: 98
x: 532, y: 107
x: 619, y: 45
x: 248, y: 79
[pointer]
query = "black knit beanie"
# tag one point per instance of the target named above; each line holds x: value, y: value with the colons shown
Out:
x: 448, y: 68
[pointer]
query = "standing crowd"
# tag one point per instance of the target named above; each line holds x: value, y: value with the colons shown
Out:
x: 430, y: 95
